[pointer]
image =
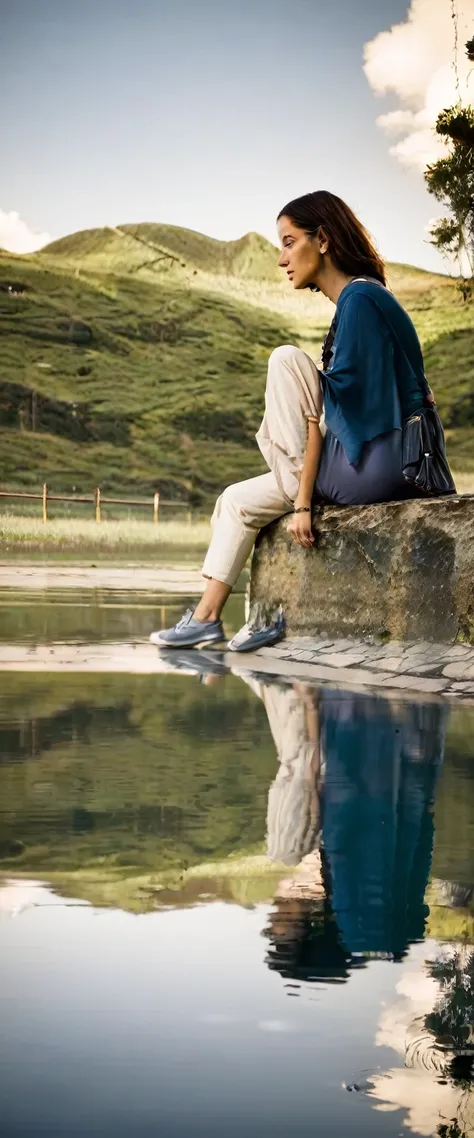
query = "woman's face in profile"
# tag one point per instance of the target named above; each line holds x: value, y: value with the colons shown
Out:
x: 300, y: 255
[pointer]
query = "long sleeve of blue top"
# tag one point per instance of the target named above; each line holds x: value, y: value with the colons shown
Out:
x: 375, y: 379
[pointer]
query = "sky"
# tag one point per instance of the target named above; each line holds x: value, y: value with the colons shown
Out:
x: 212, y: 114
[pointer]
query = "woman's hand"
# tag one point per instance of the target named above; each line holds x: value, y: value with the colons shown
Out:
x: 299, y: 526
x: 300, y: 529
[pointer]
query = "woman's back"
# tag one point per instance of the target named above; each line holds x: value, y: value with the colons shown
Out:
x: 375, y: 377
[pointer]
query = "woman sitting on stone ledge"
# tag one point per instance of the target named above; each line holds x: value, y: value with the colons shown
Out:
x: 329, y: 434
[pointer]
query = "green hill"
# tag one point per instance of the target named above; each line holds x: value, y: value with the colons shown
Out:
x: 162, y: 247
x: 134, y: 358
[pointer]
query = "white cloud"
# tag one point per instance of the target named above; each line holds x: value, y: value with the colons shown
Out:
x: 17, y: 236
x: 414, y: 61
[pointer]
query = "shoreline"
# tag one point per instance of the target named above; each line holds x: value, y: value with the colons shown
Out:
x: 118, y: 578
x: 138, y: 657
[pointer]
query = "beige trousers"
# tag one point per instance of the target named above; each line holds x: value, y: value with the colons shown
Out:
x: 292, y: 396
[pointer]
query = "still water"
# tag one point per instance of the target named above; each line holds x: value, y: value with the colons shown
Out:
x: 228, y: 905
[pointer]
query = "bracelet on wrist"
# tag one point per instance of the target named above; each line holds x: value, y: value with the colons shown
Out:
x: 302, y: 510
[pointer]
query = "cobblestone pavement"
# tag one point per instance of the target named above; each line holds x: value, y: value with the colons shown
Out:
x: 422, y: 667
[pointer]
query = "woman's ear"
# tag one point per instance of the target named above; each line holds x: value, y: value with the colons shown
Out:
x: 323, y: 242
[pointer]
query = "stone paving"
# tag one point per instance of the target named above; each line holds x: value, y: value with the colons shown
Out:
x: 420, y: 667
x: 423, y: 669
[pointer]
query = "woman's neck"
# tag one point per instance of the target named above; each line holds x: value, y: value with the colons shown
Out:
x: 331, y: 281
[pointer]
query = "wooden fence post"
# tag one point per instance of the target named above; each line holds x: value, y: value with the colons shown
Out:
x: 45, y: 502
x: 156, y: 503
x: 97, y: 505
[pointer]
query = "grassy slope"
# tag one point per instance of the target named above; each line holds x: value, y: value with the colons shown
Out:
x: 144, y: 343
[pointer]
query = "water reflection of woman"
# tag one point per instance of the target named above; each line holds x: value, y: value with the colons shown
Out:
x: 351, y: 809
x: 383, y: 760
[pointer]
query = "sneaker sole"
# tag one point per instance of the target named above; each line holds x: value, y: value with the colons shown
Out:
x: 255, y: 647
x: 187, y: 643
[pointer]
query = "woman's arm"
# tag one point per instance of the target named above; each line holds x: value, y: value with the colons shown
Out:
x: 300, y: 524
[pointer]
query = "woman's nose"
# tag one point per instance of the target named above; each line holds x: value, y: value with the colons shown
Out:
x: 283, y: 259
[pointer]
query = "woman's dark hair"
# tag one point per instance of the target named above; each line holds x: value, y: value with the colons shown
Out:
x: 350, y: 245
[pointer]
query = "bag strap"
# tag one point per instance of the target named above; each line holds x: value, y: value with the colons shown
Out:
x: 372, y: 280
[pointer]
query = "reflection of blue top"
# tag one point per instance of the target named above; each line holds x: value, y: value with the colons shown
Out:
x: 381, y: 772
x: 375, y: 378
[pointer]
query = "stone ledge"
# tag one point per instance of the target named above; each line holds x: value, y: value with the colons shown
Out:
x: 411, y: 659
x: 307, y: 663
x: 395, y: 573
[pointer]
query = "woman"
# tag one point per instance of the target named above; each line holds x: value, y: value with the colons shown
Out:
x: 370, y: 381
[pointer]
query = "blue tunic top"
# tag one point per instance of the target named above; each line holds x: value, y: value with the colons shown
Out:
x: 375, y: 379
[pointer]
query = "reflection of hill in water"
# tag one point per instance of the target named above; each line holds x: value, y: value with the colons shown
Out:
x: 155, y: 792
x: 135, y: 777
x: 159, y: 783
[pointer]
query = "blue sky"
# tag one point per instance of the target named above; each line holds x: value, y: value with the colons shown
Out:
x: 206, y: 114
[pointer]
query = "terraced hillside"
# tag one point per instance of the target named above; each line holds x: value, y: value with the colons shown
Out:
x: 134, y: 358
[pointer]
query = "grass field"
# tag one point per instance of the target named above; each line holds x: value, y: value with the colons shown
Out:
x: 135, y: 359
x: 130, y: 538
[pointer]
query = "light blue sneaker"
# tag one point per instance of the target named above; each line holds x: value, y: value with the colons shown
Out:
x: 201, y: 663
x: 258, y: 634
x: 189, y: 632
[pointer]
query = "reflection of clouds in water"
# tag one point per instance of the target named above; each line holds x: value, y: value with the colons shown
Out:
x: 226, y: 1019
x: 220, y: 1019
x: 423, y: 1088
x: 426, y: 1102
x: 17, y: 896
x: 418, y: 993
x: 276, y: 1026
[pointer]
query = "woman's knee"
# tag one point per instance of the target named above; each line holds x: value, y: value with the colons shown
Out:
x: 288, y: 362
x: 285, y: 354
x: 238, y: 501
x: 231, y: 496
x: 228, y: 500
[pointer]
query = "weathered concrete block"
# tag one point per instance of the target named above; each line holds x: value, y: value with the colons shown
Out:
x: 401, y: 570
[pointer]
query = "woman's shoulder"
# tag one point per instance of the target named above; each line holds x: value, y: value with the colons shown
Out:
x: 372, y: 307
x: 357, y: 291
x: 374, y: 300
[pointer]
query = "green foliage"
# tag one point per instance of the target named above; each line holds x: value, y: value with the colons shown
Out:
x: 453, y: 1014
x: 450, y: 1130
x: 457, y: 124
x: 451, y: 181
